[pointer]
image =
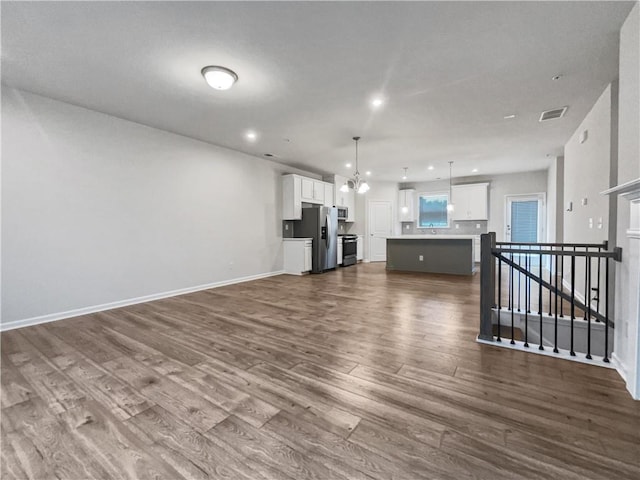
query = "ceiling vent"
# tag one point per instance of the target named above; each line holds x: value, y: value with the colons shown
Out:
x: 552, y: 114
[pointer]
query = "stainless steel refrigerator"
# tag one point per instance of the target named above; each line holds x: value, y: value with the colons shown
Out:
x: 320, y: 224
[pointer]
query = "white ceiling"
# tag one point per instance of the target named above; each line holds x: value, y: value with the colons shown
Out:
x: 450, y: 72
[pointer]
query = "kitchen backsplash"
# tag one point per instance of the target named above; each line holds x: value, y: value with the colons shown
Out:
x: 465, y: 228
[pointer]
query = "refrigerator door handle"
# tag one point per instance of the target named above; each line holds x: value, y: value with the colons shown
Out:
x: 327, y: 222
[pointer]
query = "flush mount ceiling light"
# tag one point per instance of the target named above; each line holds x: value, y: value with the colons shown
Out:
x: 251, y: 136
x: 359, y: 185
x: 475, y: 170
x: 219, y: 78
x: 430, y: 167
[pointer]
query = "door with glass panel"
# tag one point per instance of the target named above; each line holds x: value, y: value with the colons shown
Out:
x: 524, y: 220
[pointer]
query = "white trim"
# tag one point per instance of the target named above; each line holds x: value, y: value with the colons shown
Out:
x: 52, y: 317
x: 563, y: 354
x: 619, y: 366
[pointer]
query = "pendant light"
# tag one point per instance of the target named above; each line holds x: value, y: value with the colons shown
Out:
x: 450, y: 206
x: 405, y: 208
x: 360, y: 185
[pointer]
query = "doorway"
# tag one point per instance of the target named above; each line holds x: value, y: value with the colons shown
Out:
x: 380, y: 227
x: 524, y: 218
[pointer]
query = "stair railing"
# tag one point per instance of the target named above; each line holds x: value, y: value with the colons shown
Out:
x: 514, y: 284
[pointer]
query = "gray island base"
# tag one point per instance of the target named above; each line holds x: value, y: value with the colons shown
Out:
x: 431, y: 254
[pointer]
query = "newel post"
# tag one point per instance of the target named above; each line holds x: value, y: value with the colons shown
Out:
x: 487, y: 285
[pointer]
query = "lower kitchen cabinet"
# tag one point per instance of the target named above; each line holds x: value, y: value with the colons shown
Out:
x: 297, y: 255
x: 360, y: 248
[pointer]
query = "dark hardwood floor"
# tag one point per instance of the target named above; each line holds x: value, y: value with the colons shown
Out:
x: 354, y: 374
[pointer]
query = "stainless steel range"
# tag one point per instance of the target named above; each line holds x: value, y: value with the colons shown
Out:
x: 349, y: 249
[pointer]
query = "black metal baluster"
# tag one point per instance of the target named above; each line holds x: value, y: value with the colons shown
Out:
x: 555, y: 333
x: 499, y: 294
x: 606, y: 311
x: 511, y: 296
x: 540, y: 296
x: 561, y: 280
x: 519, y: 278
x: 550, y: 278
x: 588, y: 305
x: 526, y: 301
x: 587, y: 292
x: 509, y: 279
x: 528, y: 282
x: 597, y: 289
x: 573, y: 297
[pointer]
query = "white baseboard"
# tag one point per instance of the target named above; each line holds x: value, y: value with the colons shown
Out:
x: 130, y: 301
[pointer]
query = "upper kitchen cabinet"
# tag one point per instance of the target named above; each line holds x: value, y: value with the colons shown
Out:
x: 470, y: 202
x: 343, y: 199
x: 406, y: 205
x: 328, y: 195
x: 297, y: 190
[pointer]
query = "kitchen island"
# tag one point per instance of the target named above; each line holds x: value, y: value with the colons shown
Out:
x: 434, y: 253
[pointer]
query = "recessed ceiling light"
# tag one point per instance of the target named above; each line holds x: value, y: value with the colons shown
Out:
x: 377, y: 102
x: 556, y: 77
x: 368, y: 173
x: 509, y: 117
x: 269, y: 155
x: 219, y: 78
x: 474, y: 170
x: 348, y: 165
x: 251, y: 136
x: 430, y: 167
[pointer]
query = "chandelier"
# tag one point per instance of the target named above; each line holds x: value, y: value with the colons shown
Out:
x: 360, y: 185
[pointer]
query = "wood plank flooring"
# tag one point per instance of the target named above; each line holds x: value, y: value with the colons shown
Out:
x: 354, y: 374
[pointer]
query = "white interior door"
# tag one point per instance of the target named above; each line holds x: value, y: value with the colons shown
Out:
x: 524, y: 218
x: 380, y: 227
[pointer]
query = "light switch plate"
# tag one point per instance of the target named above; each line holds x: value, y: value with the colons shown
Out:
x: 457, y: 225
x: 584, y: 201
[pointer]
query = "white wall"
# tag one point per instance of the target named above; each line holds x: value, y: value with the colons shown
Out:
x: 587, y: 173
x: 555, y: 203
x: 627, y: 311
x: 97, y: 210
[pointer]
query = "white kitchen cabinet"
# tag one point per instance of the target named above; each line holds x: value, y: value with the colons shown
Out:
x: 339, y: 250
x: 307, y: 189
x: 360, y: 248
x: 291, y: 197
x: 318, y: 192
x: 297, y: 255
x: 297, y: 190
x: 406, y: 205
x: 328, y: 195
x: 470, y: 202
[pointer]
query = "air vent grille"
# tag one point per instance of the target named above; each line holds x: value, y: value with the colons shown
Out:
x: 553, y: 114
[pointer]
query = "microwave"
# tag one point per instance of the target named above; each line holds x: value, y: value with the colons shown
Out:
x: 342, y: 213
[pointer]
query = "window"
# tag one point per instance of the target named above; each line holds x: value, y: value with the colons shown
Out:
x: 433, y: 210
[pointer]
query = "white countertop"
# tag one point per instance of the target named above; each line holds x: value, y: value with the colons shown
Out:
x: 434, y: 236
x: 297, y: 239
